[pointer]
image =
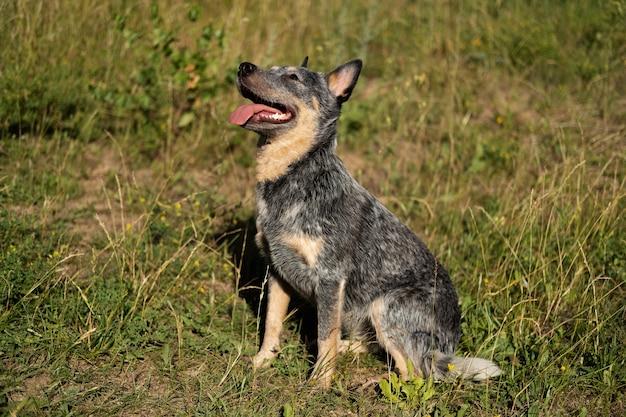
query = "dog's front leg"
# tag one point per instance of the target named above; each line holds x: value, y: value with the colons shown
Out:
x: 329, y: 297
x: 277, y: 304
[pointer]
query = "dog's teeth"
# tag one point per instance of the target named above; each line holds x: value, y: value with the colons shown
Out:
x: 275, y: 116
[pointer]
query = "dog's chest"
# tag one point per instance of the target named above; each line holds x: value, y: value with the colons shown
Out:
x: 275, y: 220
x: 290, y: 226
x: 294, y: 252
x: 281, y: 206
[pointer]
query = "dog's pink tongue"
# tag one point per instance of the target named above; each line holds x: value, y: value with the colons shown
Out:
x: 243, y: 113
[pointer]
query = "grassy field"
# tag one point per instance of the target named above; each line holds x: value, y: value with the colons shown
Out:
x: 129, y: 284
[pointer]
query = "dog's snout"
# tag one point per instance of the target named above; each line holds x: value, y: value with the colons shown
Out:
x: 246, y: 68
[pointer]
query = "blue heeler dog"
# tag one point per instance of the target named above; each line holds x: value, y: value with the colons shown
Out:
x: 328, y: 239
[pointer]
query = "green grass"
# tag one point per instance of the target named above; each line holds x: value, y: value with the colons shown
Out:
x: 496, y: 130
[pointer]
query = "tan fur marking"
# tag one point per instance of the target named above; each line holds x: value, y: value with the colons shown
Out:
x: 277, y: 304
x: 327, y: 349
x: 332, y: 82
x: 307, y: 247
x: 278, y: 301
x: 352, y: 346
x: 274, y: 158
x: 258, y: 239
x: 399, y: 358
x: 316, y: 104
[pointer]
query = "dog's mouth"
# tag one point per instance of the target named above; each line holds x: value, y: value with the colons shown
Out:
x: 260, y: 111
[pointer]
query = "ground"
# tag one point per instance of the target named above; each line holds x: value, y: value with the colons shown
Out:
x: 129, y: 282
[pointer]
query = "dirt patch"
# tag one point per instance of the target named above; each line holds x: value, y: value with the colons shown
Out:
x: 573, y: 401
x: 113, y: 386
x: 31, y: 387
x: 22, y: 210
x: 499, y: 99
x: 99, y: 207
x: 234, y: 188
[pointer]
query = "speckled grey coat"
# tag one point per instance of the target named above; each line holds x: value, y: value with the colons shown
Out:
x: 331, y: 241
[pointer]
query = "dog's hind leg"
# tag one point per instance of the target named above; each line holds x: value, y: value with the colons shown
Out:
x: 409, y: 331
x: 330, y: 296
x: 399, y: 357
x: 277, y: 304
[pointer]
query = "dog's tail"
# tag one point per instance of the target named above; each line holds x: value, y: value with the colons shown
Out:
x: 429, y: 353
x: 477, y: 369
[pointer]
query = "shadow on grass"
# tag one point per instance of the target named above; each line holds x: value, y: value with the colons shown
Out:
x: 239, y: 240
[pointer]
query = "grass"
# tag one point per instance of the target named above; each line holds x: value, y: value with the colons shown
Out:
x: 128, y: 280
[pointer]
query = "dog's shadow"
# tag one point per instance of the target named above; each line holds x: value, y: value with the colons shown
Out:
x: 250, y: 281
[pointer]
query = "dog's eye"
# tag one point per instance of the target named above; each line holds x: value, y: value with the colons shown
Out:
x: 294, y: 77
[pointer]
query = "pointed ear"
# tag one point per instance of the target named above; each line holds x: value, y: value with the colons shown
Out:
x: 342, y: 80
x: 305, y: 62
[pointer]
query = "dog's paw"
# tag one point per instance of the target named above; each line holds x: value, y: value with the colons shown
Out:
x: 323, y: 381
x: 322, y: 374
x: 263, y: 359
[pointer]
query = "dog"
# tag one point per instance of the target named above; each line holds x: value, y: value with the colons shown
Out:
x: 329, y: 240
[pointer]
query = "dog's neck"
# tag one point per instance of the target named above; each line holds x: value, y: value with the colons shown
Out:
x: 275, y: 154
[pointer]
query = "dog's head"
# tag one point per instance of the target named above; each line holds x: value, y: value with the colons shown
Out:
x: 292, y: 100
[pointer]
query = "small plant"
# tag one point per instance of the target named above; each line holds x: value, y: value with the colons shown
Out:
x: 171, y: 82
x: 412, y: 393
x: 416, y: 394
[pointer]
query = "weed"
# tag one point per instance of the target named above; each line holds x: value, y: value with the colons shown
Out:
x: 417, y: 395
x: 170, y: 85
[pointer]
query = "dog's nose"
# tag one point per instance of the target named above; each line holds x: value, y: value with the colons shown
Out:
x: 246, y: 68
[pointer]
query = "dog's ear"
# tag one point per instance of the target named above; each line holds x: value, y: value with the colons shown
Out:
x: 341, y: 80
x: 305, y: 63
